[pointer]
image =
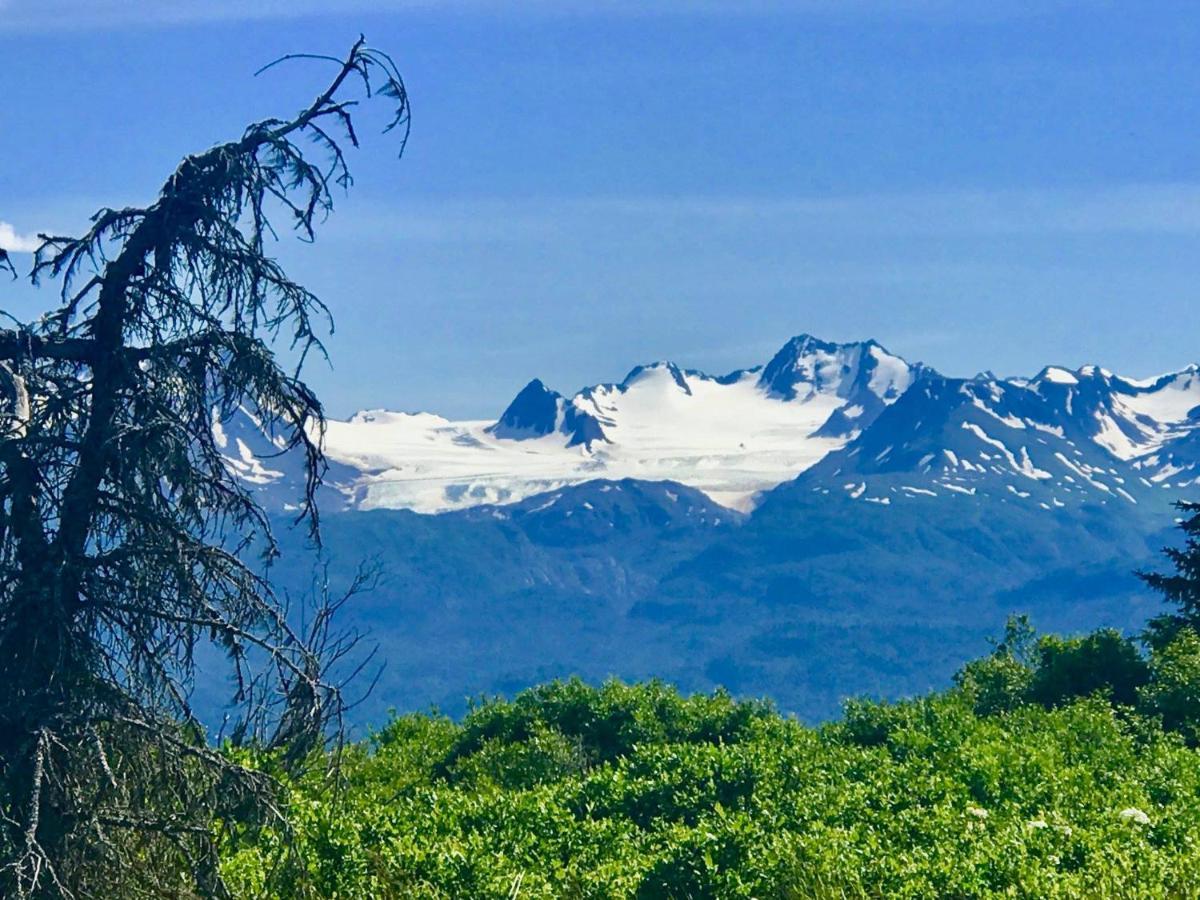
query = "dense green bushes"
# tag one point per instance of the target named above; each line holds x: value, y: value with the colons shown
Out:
x: 1053, y: 671
x: 1055, y: 768
x: 1174, y: 691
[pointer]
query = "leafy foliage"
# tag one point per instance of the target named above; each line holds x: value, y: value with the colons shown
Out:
x: 636, y: 791
x: 1103, y: 662
x: 1001, y: 682
x: 1174, y: 689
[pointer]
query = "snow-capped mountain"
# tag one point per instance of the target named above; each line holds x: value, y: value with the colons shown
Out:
x: 1126, y: 417
x: 729, y: 436
x: 266, y: 465
x: 538, y: 411
x: 865, y: 375
x: 851, y: 417
x: 893, y: 518
x: 964, y: 436
x: 1062, y: 438
x: 1176, y: 463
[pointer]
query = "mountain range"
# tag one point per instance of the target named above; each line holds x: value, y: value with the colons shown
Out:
x: 837, y: 521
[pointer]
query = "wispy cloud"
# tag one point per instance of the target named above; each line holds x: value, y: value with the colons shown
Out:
x: 15, y: 242
x: 1149, y: 209
x: 38, y: 15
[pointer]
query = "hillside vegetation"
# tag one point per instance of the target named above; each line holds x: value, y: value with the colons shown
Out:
x: 1053, y: 768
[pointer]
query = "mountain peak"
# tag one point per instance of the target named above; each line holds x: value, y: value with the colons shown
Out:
x: 532, y: 413
x: 538, y: 411
x: 806, y: 366
x: 1055, y: 375
x: 669, y: 369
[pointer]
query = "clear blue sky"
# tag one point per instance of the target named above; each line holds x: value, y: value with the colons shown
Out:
x: 593, y: 185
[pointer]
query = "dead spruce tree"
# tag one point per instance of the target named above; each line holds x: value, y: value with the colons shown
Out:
x: 126, y: 543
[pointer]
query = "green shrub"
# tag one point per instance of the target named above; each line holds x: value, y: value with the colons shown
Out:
x: 1102, y: 662
x: 628, y: 791
x: 1174, y: 689
x: 995, y: 684
x: 605, y: 723
x: 545, y: 754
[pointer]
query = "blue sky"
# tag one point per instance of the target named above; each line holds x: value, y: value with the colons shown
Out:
x: 593, y: 185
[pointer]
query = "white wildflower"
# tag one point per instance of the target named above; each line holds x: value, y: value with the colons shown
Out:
x: 1134, y: 816
x: 1037, y: 823
x: 978, y: 812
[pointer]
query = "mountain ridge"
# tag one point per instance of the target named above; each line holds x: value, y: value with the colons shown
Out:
x: 871, y: 560
x: 738, y: 435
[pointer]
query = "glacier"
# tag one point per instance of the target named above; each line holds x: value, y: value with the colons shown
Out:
x: 845, y: 409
